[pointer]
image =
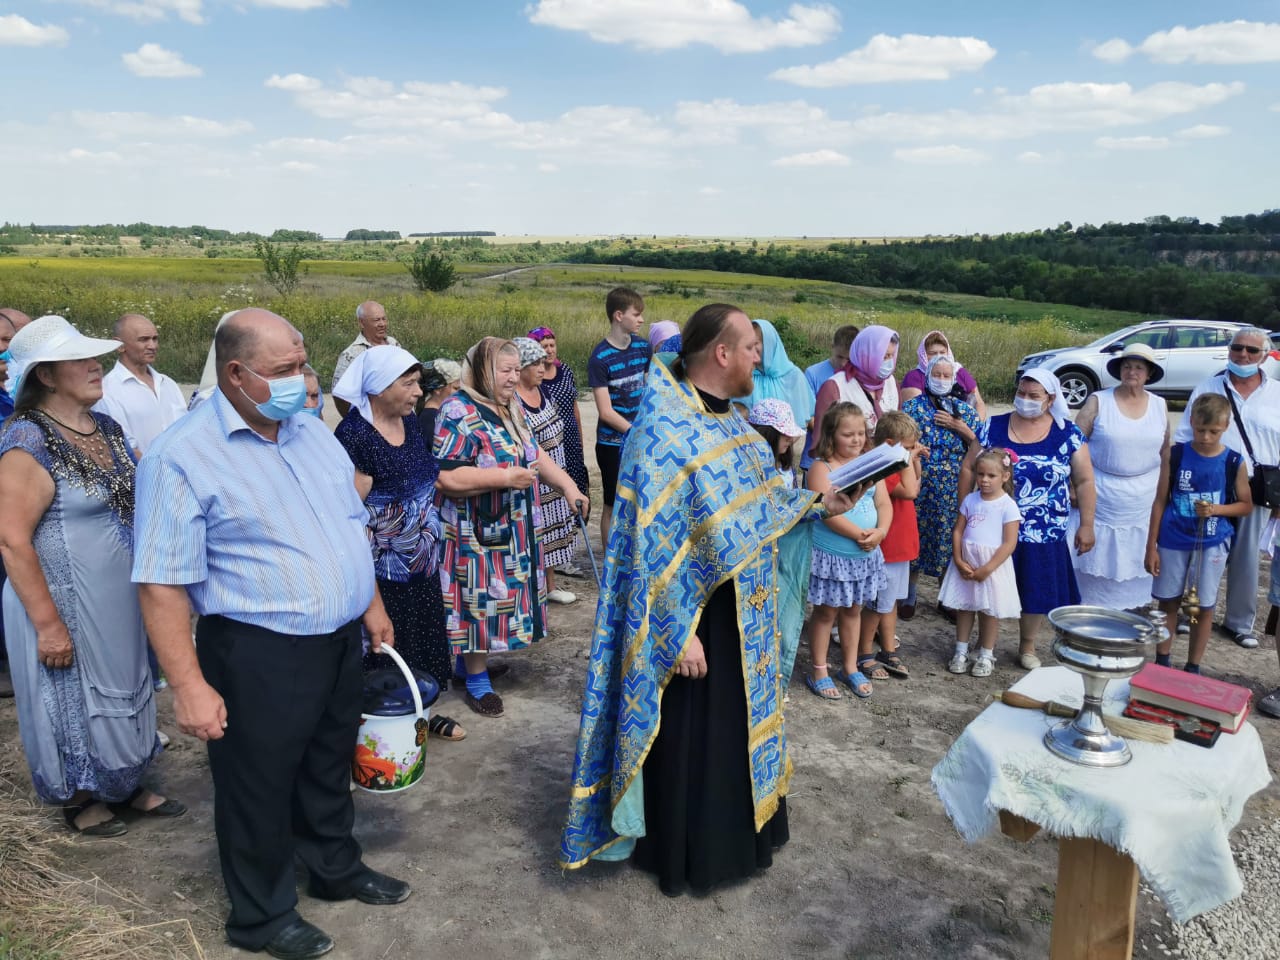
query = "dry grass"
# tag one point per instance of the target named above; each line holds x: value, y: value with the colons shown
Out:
x: 48, y: 914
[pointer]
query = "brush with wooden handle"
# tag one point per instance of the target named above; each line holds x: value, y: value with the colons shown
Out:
x: 1120, y: 726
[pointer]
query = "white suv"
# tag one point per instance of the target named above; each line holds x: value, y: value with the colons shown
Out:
x: 1189, y: 350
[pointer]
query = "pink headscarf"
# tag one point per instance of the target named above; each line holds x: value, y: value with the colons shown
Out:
x: 662, y: 330
x: 866, y: 353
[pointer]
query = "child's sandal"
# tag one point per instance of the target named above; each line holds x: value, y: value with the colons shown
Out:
x: 893, y: 664
x: 873, y: 668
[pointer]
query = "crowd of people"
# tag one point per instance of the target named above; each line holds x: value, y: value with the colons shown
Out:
x: 442, y: 512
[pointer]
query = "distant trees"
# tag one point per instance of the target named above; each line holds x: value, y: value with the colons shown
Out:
x: 372, y: 235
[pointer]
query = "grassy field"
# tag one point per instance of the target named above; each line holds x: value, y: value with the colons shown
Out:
x: 185, y: 297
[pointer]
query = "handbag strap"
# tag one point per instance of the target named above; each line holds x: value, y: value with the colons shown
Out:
x: 1235, y: 412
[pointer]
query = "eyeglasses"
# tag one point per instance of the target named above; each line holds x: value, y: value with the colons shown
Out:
x: 1242, y: 348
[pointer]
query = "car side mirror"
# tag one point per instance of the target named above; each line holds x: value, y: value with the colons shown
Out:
x: 1113, y: 348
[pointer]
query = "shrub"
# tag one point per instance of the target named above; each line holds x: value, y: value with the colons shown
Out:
x: 430, y: 270
x: 280, y: 267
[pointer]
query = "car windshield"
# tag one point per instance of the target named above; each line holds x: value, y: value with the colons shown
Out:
x: 1116, y: 335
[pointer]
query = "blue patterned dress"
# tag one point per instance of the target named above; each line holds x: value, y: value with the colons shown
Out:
x: 562, y: 390
x: 404, y: 535
x: 90, y: 726
x: 936, y: 506
x: 1042, y: 488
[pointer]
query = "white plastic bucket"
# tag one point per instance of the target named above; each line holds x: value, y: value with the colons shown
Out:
x: 391, y: 752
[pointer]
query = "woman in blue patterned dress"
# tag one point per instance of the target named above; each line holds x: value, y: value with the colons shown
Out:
x: 396, y: 478
x: 947, y: 427
x: 562, y: 390
x: 77, y: 645
x: 489, y: 468
x: 1052, y: 458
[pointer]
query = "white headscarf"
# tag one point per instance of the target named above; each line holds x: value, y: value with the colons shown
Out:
x: 372, y: 372
x: 1049, y: 380
x: 209, y: 376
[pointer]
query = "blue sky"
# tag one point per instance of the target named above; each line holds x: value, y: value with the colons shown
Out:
x: 705, y: 117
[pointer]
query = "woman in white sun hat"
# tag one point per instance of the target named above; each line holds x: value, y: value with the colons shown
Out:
x: 77, y: 645
x: 1128, y: 432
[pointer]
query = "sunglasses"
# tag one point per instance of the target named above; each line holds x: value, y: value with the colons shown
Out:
x: 1242, y: 348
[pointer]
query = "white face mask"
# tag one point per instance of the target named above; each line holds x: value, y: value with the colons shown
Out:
x: 1026, y: 407
x: 940, y: 386
x: 886, y: 369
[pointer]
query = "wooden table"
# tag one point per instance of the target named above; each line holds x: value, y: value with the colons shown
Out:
x: 1097, y: 898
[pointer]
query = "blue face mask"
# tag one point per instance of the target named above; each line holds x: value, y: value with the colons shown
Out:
x: 315, y: 411
x: 1242, y: 369
x: 288, y: 394
x: 6, y: 356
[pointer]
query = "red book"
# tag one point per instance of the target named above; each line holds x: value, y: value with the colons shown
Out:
x: 1226, y: 704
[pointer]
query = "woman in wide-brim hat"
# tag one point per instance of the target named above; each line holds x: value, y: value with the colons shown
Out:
x: 1127, y: 428
x: 77, y: 645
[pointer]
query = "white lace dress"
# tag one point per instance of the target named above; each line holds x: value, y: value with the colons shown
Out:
x: 1126, y: 465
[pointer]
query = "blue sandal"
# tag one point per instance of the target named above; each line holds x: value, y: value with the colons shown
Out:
x: 854, y: 681
x: 822, y: 688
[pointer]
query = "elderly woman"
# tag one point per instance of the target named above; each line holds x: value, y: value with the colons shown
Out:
x: 489, y: 468
x: 867, y: 379
x: 396, y: 478
x: 315, y: 396
x: 1051, y: 458
x: 440, y: 378
x: 555, y: 529
x: 947, y: 427
x: 936, y: 344
x: 559, y: 386
x: 664, y: 337
x: 1128, y: 432
x: 777, y: 378
x: 77, y: 645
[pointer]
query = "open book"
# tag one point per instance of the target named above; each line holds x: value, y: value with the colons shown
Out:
x: 876, y: 464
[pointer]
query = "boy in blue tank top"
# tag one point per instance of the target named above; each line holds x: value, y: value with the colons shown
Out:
x: 1201, y: 486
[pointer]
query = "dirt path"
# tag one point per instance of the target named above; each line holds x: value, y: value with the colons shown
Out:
x: 874, y: 868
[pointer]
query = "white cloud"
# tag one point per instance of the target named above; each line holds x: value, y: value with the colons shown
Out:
x: 151, y: 11
x: 1113, y: 51
x: 298, y: 166
x: 785, y: 122
x: 153, y: 60
x: 298, y: 4
x: 671, y: 24
x: 1054, y: 107
x: 818, y: 158
x: 548, y: 168
x: 16, y: 31
x: 1237, y: 41
x: 1274, y: 108
x: 1132, y: 143
x: 1203, y: 131
x: 949, y: 154
x: 885, y: 59
x: 149, y: 126
x: 709, y: 191
x: 293, y: 82
x: 1030, y: 156
x: 80, y: 155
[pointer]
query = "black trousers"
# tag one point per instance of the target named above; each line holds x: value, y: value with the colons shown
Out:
x: 281, y: 771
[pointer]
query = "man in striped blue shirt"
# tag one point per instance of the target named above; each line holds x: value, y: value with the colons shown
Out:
x: 249, y: 514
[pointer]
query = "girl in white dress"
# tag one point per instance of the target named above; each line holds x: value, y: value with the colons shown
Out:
x: 980, y: 578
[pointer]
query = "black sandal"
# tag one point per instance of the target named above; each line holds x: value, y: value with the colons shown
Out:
x: 446, y: 728
x: 893, y: 663
x: 490, y: 705
x: 873, y: 668
x: 114, y: 827
x: 169, y: 808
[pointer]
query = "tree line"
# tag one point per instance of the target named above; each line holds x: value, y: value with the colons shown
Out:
x: 1228, y: 271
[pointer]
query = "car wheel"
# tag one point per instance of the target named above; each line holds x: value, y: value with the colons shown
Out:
x: 1076, y: 387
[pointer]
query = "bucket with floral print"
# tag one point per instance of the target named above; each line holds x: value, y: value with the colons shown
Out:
x: 392, y: 741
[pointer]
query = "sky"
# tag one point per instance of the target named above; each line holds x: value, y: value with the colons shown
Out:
x: 575, y: 117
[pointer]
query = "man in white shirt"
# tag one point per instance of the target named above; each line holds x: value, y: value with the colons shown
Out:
x: 372, y: 318
x: 136, y: 395
x: 1256, y: 397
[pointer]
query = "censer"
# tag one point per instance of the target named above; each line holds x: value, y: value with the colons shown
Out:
x: 1191, y: 595
x: 1101, y: 645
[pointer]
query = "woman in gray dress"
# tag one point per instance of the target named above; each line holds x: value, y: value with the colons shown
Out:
x: 77, y: 646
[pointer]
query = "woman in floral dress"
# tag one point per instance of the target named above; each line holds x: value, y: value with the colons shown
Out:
x: 491, y: 565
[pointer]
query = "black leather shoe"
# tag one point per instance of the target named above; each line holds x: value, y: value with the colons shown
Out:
x: 299, y: 941
x: 380, y: 890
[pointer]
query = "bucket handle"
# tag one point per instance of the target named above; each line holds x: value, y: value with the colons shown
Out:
x: 408, y: 675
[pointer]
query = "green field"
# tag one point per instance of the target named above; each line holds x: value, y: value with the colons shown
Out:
x: 185, y: 297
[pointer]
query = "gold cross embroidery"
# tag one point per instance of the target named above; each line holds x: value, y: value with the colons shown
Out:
x: 763, y: 665
x: 758, y: 597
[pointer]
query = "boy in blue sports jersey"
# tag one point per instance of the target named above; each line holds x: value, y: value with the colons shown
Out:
x: 1201, y: 485
x: 616, y: 372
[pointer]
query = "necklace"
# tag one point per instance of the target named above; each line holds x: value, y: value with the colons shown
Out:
x: 67, y: 426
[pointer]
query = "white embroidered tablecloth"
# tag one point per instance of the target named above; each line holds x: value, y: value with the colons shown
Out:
x: 1170, y: 808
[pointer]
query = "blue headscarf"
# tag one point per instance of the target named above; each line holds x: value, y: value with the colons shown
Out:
x: 778, y: 378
